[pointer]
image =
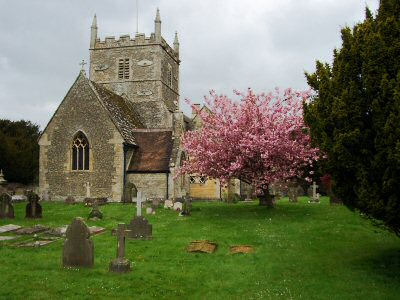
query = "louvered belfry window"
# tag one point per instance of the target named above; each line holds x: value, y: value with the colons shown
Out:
x: 80, y: 152
x: 123, y: 68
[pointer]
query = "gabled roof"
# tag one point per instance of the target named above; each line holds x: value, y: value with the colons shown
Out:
x: 153, y: 153
x: 120, y: 111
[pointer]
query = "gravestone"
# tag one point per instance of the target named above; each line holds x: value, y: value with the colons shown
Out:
x: 120, y: 264
x: 292, y: 191
x: 33, y: 209
x: 168, y: 204
x: 140, y: 229
x: 78, y: 248
x: 150, y: 211
x: 6, y: 208
x: 203, y: 246
x: 314, y: 194
x: 95, y: 214
x: 58, y: 231
x: 91, y: 201
x: 32, y: 230
x: 18, y: 198
x: 128, y: 192
x: 178, y: 206
x: 9, y: 228
x: 70, y: 200
x: 187, y: 205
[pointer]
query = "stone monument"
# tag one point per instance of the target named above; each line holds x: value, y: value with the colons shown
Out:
x: 292, y: 190
x: 120, y: 264
x: 6, y: 208
x: 33, y: 209
x: 139, y: 227
x: 78, y: 248
x: 95, y: 214
x: 315, y: 195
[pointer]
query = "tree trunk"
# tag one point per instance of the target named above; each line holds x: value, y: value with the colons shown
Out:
x: 266, y: 199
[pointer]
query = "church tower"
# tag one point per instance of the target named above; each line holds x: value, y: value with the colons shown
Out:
x: 143, y: 70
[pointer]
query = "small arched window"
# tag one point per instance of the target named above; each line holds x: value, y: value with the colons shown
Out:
x: 80, y: 152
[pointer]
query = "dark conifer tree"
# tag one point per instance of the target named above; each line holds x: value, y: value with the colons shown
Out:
x: 355, y: 115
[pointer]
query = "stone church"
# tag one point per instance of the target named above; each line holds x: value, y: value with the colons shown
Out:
x: 120, y: 126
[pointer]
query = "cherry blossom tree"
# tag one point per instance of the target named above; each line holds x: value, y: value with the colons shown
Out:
x: 260, y: 139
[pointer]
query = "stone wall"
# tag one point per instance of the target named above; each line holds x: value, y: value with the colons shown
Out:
x: 150, y: 184
x: 147, y: 83
x: 81, y: 111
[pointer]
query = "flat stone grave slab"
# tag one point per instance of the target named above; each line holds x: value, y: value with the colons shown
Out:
x: 241, y: 249
x: 32, y: 230
x: 58, y: 231
x: 96, y: 230
x: 34, y: 244
x: 9, y: 227
x: 8, y: 238
x: 202, y: 246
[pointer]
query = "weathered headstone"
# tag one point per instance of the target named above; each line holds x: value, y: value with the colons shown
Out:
x: 78, y: 248
x: 95, y: 214
x: 33, y: 209
x: 70, y: 200
x: 120, y: 264
x: 168, y: 204
x: 139, y: 228
x: 187, y: 205
x: 128, y: 192
x: 6, y: 208
x: 315, y: 195
x: 150, y: 211
x: 178, y: 206
x: 18, y: 198
x: 292, y: 191
x: 91, y: 201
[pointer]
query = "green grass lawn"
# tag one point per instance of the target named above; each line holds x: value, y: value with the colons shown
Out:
x: 302, y: 251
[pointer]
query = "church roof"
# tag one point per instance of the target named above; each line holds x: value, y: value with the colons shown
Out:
x: 120, y: 111
x: 154, y: 152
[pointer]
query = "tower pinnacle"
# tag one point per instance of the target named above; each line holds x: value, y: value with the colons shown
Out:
x: 157, y: 25
x: 93, y: 32
x: 176, y: 42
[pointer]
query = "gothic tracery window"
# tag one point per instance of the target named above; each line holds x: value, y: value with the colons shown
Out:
x: 80, y: 152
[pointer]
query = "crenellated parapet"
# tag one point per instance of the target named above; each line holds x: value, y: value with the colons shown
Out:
x: 139, y: 40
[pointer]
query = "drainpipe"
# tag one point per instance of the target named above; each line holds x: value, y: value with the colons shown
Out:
x: 167, y: 186
x: 124, y: 172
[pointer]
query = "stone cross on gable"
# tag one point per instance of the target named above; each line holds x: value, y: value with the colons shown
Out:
x: 314, y: 190
x: 139, y: 204
x: 83, y: 63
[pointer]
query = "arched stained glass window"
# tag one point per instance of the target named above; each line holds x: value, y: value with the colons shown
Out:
x: 80, y: 152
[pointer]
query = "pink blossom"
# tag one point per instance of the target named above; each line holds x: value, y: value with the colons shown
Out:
x: 260, y: 139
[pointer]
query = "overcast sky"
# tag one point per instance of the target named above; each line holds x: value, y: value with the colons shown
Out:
x: 224, y: 45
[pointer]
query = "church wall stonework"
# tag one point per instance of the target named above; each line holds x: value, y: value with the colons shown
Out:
x: 150, y: 184
x: 81, y: 111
